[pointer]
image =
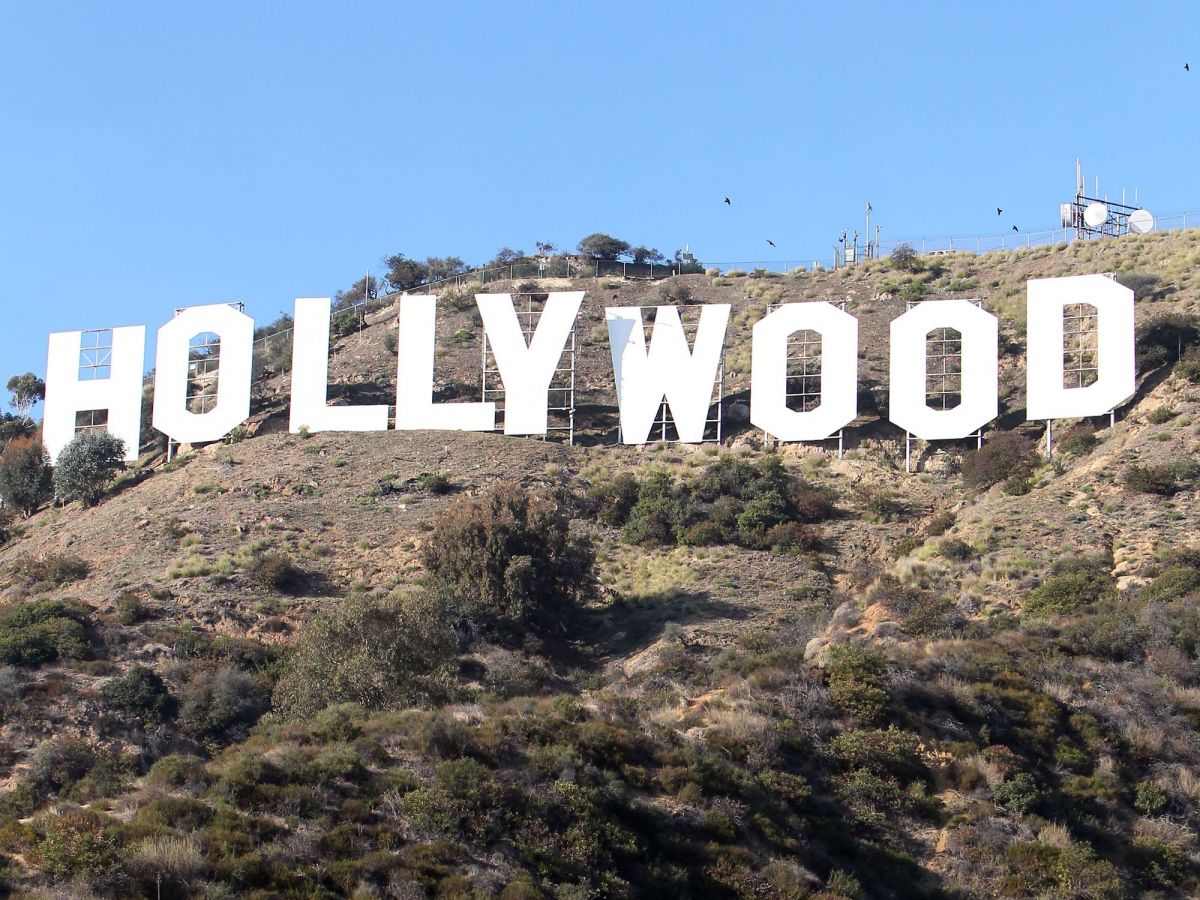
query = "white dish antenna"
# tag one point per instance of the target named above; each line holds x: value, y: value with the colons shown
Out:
x: 1140, y: 221
x: 1096, y: 214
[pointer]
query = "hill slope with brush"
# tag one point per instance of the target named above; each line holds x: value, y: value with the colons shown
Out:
x: 709, y: 671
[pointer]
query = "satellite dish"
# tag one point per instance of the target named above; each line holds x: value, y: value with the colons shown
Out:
x: 1140, y: 221
x: 1096, y: 214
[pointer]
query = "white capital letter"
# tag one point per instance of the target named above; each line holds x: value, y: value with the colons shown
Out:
x: 527, y: 370
x: 1046, y: 398
x: 310, y: 377
x: 120, y: 393
x: 979, y: 398
x: 415, y: 408
x: 685, y: 377
x: 172, y: 369
x: 838, y: 362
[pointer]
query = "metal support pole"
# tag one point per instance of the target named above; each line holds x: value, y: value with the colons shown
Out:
x: 907, y: 452
x: 841, y: 442
x: 1049, y: 438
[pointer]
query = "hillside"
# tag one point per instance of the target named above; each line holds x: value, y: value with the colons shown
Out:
x: 926, y: 684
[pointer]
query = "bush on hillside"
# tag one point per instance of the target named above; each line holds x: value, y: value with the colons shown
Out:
x: 905, y: 258
x: 733, y: 501
x: 77, y: 845
x: 857, y: 681
x: 1074, y: 583
x: 44, y: 631
x: 277, y: 572
x: 25, y: 478
x: 140, y: 693
x: 1164, y: 479
x: 1078, y: 441
x: 220, y: 706
x: 53, y: 570
x: 1165, y: 338
x: 1172, y: 584
x: 375, y: 653
x: 1003, y: 456
x: 509, y: 558
x: 86, y: 465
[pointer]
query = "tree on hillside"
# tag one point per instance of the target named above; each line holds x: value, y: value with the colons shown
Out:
x: 25, y: 482
x: 85, y: 465
x: 404, y: 274
x: 15, y: 427
x: 506, y: 256
x: 904, y: 258
x: 441, y: 267
x: 510, y: 560
x: 646, y: 254
x: 372, y: 652
x: 366, y: 288
x: 27, y: 390
x: 603, y: 246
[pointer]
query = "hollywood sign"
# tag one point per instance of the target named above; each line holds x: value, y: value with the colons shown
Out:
x: 668, y: 368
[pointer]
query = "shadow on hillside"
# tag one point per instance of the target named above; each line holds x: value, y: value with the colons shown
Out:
x: 627, y: 626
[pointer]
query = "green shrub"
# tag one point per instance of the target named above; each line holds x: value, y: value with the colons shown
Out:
x: 1188, y: 368
x: 1150, y: 799
x: 130, y: 608
x: 141, y: 693
x: 86, y: 465
x: 612, y: 500
x: 1019, y: 794
x: 884, y: 752
x: 178, y: 770
x: 905, y: 259
x: 44, y: 631
x: 77, y: 845
x: 1074, y: 583
x: 1164, y: 338
x: 1003, y: 456
x: 434, y: 483
x: 509, y: 558
x: 1160, y: 415
x: 1172, y: 584
x: 56, y: 569
x: 856, y: 681
x: 277, y: 572
x: 733, y: 501
x: 220, y: 706
x: 25, y: 477
x: 369, y: 652
x: 1164, y: 480
x: 1079, y: 440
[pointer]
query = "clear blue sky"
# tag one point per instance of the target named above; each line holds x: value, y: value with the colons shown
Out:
x: 157, y: 155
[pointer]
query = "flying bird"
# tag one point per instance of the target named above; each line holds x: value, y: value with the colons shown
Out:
x: 998, y: 210
x: 771, y: 242
x: 727, y: 201
x: 1015, y: 228
x: 1186, y: 67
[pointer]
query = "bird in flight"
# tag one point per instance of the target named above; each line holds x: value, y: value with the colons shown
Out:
x: 1186, y: 67
x: 998, y: 210
x: 771, y: 242
x: 727, y: 201
x: 1015, y: 228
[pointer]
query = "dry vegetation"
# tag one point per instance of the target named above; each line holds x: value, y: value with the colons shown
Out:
x: 268, y: 669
